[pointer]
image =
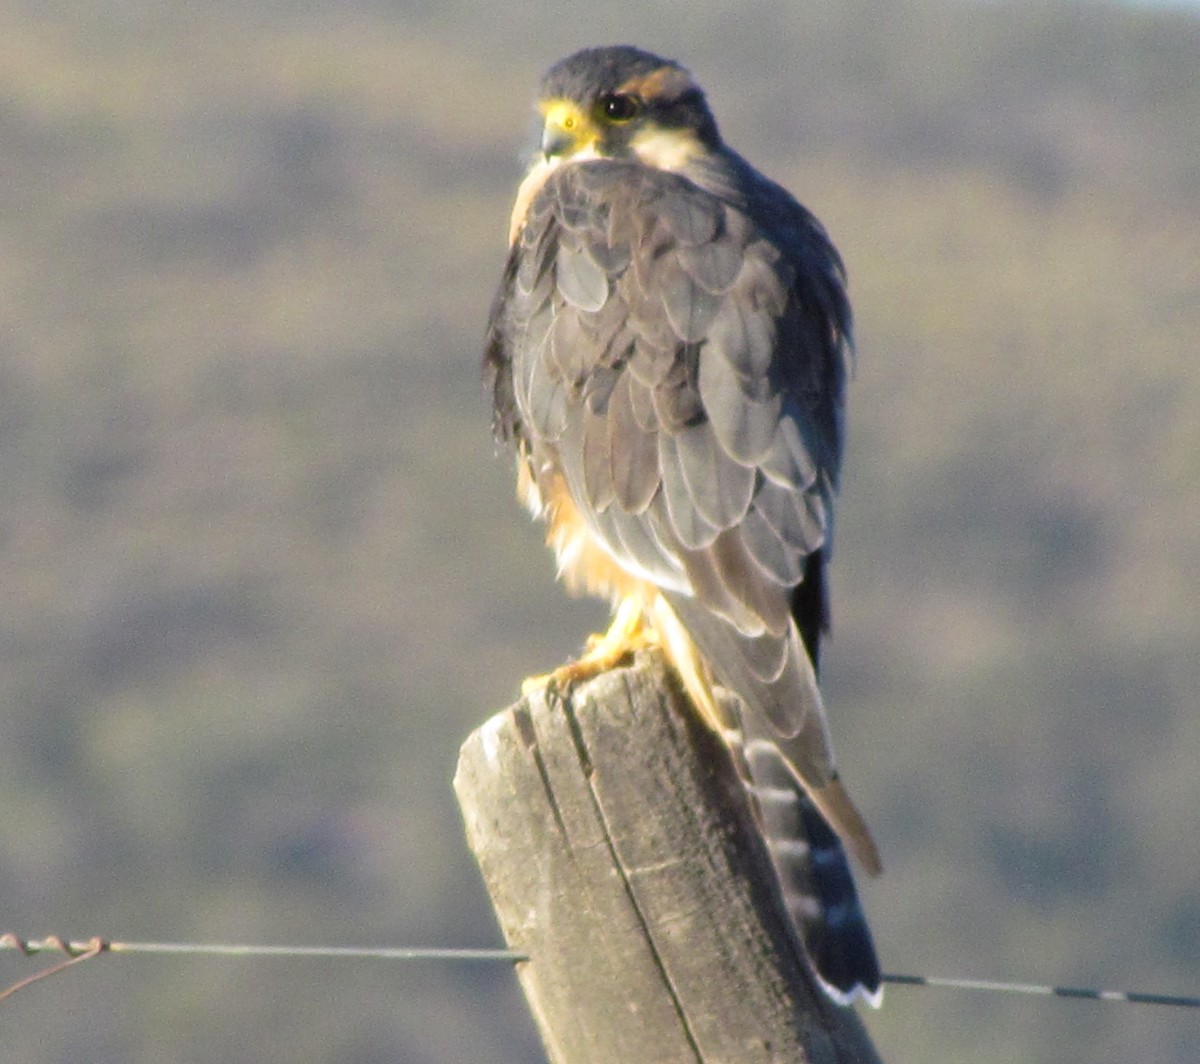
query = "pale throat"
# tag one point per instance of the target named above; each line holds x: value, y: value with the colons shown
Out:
x: 533, y: 181
x: 667, y: 149
x: 663, y: 149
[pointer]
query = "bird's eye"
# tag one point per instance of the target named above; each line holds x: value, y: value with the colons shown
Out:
x: 617, y: 107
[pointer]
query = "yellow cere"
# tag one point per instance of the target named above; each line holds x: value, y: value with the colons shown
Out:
x: 566, y: 115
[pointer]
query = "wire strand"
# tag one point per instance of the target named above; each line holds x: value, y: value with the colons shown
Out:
x: 80, y: 950
x: 55, y: 944
x: 77, y: 951
x: 1130, y: 997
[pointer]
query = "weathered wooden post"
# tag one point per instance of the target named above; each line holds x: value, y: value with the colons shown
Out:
x: 619, y: 850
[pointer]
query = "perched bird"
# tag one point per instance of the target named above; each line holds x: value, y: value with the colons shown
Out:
x: 668, y: 352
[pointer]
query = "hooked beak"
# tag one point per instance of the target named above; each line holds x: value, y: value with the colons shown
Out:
x: 567, y: 129
x: 556, y: 141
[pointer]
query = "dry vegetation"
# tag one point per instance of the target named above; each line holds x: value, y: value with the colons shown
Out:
x: 261, y: 573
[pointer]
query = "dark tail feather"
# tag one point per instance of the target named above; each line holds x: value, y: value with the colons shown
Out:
x: 814, y: 875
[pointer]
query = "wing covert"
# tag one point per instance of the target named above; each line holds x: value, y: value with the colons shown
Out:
x: 680, y: 362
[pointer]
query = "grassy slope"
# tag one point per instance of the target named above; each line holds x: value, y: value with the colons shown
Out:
x: 261, y: 573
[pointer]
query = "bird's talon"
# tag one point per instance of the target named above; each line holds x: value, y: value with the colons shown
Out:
x: 532, y: 684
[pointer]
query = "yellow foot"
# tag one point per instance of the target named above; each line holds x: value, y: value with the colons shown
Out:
x: 625, y: 636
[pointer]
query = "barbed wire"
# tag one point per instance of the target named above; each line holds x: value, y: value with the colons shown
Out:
x: 55, y: 944
x: 78, y: 950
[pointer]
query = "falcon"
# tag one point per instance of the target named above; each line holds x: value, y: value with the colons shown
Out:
x: 668, y: 353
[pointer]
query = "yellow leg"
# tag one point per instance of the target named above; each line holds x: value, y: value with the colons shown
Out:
x: 627, y: 634
x: 685, y: 659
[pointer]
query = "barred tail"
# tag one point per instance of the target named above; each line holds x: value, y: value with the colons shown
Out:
x: 814, y: 876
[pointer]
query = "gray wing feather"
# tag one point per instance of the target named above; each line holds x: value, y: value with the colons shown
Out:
x: 798, y: 518
x: 641, y: 403
x: 780, y: 562
x: 690, y: 220
x: 745, y: 425
x: 715, y: 587
x: 632, y: 450
x: 598, y: 483
x: 745, y: 338
x: 542, y: 400
x: 689, y: 307
x: 641, y: 543
x: 775, y: 679
x: 686, y: 522
x: 569, y: 342
x: 715, y: 265
x: 720, y: 487
x: 770, y: 610
x: 790, y: 461
x: 581, y: 280
x: 681, y: 361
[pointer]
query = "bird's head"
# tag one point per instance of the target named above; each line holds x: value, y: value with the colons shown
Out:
x: 622, y: 102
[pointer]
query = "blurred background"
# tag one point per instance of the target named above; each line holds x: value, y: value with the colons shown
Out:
x: 261, y: 570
